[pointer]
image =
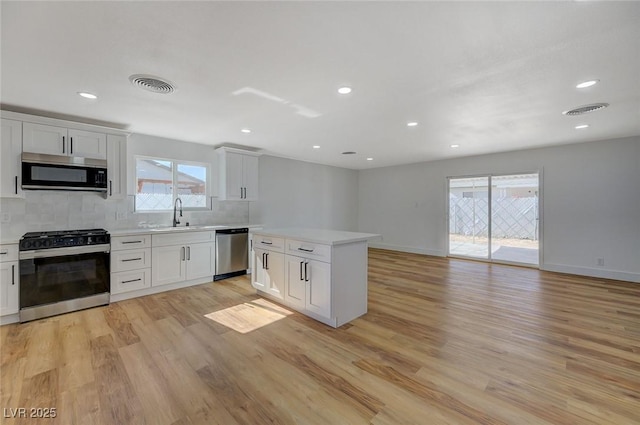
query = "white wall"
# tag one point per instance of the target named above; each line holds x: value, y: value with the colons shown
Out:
x: 590, y: 204
x: 302, y: 194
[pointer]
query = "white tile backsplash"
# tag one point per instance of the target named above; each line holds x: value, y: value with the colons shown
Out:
x: 43, y: 211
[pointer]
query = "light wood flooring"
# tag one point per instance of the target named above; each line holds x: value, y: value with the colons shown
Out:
x: 445, y: 342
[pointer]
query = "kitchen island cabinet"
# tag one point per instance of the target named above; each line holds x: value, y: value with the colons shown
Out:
x: 325, y: 273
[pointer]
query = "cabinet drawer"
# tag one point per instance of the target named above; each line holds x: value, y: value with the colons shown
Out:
x: 181, y: 238
x: 130, y: 259
x: 8, y: 253
x: 268, y: 242
x: 130, y: 281
x: 119, y: 243
x: 316, y: 251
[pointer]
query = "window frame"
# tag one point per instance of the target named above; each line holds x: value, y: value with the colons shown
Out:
x: 174, y: 183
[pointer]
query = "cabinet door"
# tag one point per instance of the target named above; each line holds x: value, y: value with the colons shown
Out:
x: 274, y: 274
x: 9, y: 288
x: 250, y: 177
x: 234, y: 176
x: 10, y: 168
x: 201, y: 260
x: 40, y: 138
x: 318, y: 277
x: 295, y: 288
x: 258, y: 271
x: 168, y: 265
x: 87, y: 144
x: 117, y: 166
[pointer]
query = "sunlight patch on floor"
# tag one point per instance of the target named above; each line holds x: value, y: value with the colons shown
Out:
x: 247, y: 317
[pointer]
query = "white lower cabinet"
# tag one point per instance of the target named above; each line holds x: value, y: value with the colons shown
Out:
x: 182, y: 257
x: 268, y: 272
x: 9, y: 280
x: 201, y: 260
x: 309, y: 285
x: 169, y: 264
x: 325, y: 281
x: 130, y: 263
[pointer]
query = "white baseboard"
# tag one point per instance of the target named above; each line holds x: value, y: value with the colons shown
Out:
x: 588, y: 271
x: 410, y: 249
x: 10, y: 318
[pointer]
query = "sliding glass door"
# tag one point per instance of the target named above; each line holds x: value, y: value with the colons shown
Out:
x: 469, y: 217
x: 495, y: 218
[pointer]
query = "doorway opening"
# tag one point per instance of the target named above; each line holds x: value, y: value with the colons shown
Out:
x: 495, y: 218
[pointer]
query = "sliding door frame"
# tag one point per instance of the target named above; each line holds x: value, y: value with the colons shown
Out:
x: 489, y: 258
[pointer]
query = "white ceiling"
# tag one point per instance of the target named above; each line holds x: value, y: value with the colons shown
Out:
x: 488, y: 76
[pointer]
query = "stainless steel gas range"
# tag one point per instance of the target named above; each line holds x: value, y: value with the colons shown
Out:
x: 63, y: 271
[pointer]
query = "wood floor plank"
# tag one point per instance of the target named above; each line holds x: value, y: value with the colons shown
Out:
x: 445, y: 341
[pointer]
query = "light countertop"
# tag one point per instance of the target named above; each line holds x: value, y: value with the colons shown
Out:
x: 169, y: 229
x: 322, y: 236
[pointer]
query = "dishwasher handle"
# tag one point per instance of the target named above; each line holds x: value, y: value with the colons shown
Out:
x: 232, y: 231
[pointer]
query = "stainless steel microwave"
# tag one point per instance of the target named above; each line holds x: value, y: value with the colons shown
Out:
x: 56, y: 172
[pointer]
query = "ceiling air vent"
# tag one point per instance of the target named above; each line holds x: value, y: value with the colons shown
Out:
x: 152, y: 84
x: 586, y: 109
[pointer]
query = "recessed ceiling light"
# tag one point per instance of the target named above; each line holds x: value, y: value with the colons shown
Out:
x: 245, y: 130
x: 581, y: 126
x: 344, y: 90
x: 586, y: 84
x: 369, y: 159
x: 316, y: 146
x: 412, y: 124
x: 87, y: 95
x: 455, y: 146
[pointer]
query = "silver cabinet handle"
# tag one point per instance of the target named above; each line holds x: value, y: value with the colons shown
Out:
x: 301, y: 263
x: 189, y: 253
x: 63, y: 144
x: 4, y: 252
x: 183, y: 251
x: 110, y: 187
x: 132, y: 280
x: 305, y: 250
x: 267, y: 258
x: 266, y: 242
x: 306, y: 279
x: 16, y: 185
x: 13, y: 274
x: 131, y: 259
x: 71, y: 140
x: 128, y: 242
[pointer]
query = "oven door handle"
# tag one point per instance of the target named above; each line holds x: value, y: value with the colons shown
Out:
x: 61, y: 252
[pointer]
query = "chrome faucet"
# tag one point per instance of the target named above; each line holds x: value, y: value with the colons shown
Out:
x: 175, y: 207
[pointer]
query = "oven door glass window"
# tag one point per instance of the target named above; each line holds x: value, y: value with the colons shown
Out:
x: 54, y: 279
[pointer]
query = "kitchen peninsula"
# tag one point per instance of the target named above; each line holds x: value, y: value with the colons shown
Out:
x: 320, y: 273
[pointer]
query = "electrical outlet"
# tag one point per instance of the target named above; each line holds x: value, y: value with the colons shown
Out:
x: 600, y: 262
x: 121, y: 215
x: 5, y: 218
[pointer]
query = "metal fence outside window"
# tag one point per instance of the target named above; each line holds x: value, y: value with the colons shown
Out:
x: 515, y: 218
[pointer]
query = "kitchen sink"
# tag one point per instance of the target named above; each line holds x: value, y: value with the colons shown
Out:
x: 187, y: 228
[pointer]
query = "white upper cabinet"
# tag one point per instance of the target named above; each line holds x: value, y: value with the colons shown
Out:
x: 87, y: 144
x: 49, y: 139
x: 117, y: 166
x: 10, y: 150
x: 238, y: 174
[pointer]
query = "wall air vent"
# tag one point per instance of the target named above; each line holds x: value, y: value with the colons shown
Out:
x: 586, y: 109
x: 152, y: 84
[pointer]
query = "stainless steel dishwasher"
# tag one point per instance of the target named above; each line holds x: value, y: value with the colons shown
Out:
x: 232, y: 252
